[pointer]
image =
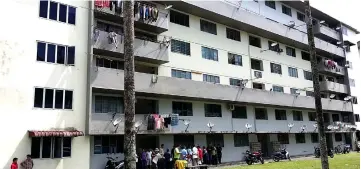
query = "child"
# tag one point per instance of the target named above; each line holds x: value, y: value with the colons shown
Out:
x: 14, y: 165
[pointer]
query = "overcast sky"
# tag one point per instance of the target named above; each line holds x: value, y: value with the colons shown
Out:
x: 348, y: 11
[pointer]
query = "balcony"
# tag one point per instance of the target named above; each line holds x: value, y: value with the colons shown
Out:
x: 337, y: 70
x: 231, y: 15
x: 104, y: 78
x: 327, y: 86
x: 326, y: 33
x: 148, y: 51
x: 158, y: 26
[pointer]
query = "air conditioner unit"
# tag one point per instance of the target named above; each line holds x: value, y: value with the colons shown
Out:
x: 231, y: 107
x: 257, y: 74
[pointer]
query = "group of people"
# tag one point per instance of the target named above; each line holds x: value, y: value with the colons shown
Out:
x: 26, y: 164
x: 193, y: 155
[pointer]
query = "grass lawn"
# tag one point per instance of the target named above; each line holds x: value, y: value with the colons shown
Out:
x: 342, y: 161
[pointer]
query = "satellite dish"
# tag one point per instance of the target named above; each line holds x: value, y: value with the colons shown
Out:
x: 117, y: 121
x: 248, y: 125
x: 138, y: 123
x: 321, y: 22
x: 244, y: 81
x: 292, y: 24
x: 274, y: 44
x: 332, y: 96
x: 298, y: 91
x: 210, y: 125
x: 168, y: 7
x: 347, y: 98
x: 186, y: 122
x: 290, y: 125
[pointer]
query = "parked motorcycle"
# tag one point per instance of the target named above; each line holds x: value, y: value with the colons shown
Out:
x: 346, y: 148
x: 338, y: 149
x: 114, y: 164
x: 281, y: 155
x: 254, y: 157
x: 317, y: 152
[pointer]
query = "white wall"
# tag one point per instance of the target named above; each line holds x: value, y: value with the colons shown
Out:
x: 198, y: 38
x: 20, y: 72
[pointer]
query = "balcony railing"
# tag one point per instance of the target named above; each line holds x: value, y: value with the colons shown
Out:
x: 333, y: 87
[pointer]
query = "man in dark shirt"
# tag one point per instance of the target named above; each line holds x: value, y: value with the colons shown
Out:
x: 167, y: 157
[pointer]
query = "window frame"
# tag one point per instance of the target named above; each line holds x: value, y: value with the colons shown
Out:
x: 183, y: 110
x: 297, y: 115
x: 240, y: 140
x: 208, y: 76
x: 206, y: 51
x: 299, y: 136
x: 109, y: 101
x: 264, y: 110
x: 215, y: 139
x: 175, y: 72
x: 66, y: 53
x: 207, y: 26
x: 233, y: 57
x: 283, y: 138
x: 212, y: 113
x: 286, y: 9
x: 305, y: 56
x: 301, y: 15
x: 275, y: 88
x: 307, y: 74
x: 233, y: 34
x: 242, y: 114
x: 293, y: 51
x: 270, y: 4
x: 52, y: 147
x: 357, y: 117
x: 314, y: 138
x: 275, y: 69
x: 58, y: 5
x: 234, y: 82
x: 253, y: 62
x: 293, y: 72
x: 115, y: 138
x: 254, y: 39
x: 174, y: 20
x: 180, y: 47
x: 282, y: 114
x: 54, y: 97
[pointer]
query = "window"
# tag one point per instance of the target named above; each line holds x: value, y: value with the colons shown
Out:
x: 280, y: 114
x: 181, y: 139
x: 240, y: 140
x: 300, y: 138
x: 234, y: 59
x: 352, y: 82
x: 208, y: 27
x: 292, y: 72
x: 234, y: 82
x: 261, y: 113
x: 256, y: 64
x: 63, y: 55
x: 114, y: 64
x: 312, y: 116
x: 277, y: 89
x: 301, y: 17
x: 57, y: 11
x: 181, y: 74
x: 255, y: 41
x: 182, y: 108
x: 210, y: 78
x: 53, y: 98
x: 108, y: 104
x: 239, y: 112
x: 309, y: 93
x: 210, y: 54
x: 213, y: 110
x: 293, y: 91
x: 335, y: 117
x: 271, y: 4
x: 179, y: 18
x: 314, y: 137
x: 307, y: 75
x: 215, y: 139
x: 286, y: 10
x: 180, y: 47
x: 338, y: 137
x: 357, y: 117
x: 233, y: 34
x: 297, y: 115
x: 273, y: 48
x: 50, y: 147
x: 108, y: 144
x: 290, y: 51
x: 283, y: 138
x: 276, y: 68
x: 305, y: 56
x: 258, y: 86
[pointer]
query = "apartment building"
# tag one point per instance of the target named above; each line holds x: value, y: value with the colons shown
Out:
x: 232, y: 73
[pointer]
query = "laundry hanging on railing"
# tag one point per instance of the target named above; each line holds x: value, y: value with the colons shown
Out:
x: 112, y: 37
x: 102, y: 3
x: 330, y: 64
x: 174, y: 119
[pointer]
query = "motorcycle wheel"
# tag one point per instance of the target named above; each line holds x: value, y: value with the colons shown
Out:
x: 262, y: 160
x: 249, y: 162
x: 276, y: 159
x: 331, y: 155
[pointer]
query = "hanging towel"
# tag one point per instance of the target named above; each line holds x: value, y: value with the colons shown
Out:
x: 144, y: 9
x: 141, y: 12
x: 155, y: 14
x: 102, y: 3
x: 150, y: 13
x: 146, y: 12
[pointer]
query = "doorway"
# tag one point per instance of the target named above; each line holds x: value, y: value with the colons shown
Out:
x: 264, y: 139
x: 147, y: 142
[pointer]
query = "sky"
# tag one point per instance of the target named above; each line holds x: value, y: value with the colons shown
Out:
x: 348, y: 11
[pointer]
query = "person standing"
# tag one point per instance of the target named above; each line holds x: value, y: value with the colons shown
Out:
x: 167, y: 159
x: 205, y: 155
x: 219, y: 154
x: 176, y: 155
x: 161, y: 150
x: 184, y: 153
x: 195, y: 156
x: 200, y: 155
x: 28, y: 163
x: 214, y: 155
x: 14, y: 165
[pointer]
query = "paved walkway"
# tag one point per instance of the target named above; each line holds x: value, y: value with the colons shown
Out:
x: 238, y: 163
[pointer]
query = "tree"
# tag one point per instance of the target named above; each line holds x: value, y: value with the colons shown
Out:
x: 129, y: 89
x: 316, y: 87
